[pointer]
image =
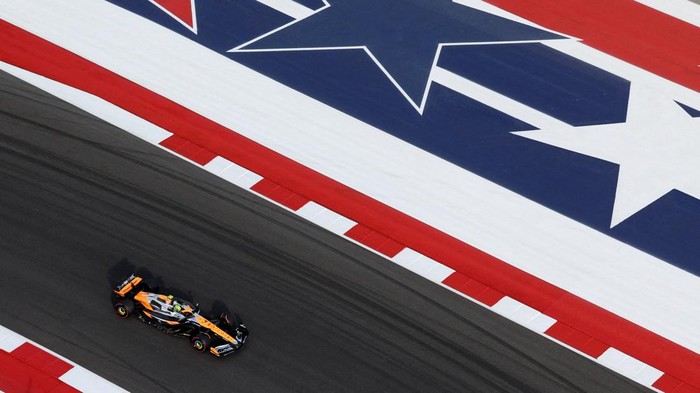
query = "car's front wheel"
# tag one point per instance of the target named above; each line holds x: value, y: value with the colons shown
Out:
x: 200, y: 342
x: 124, y: 308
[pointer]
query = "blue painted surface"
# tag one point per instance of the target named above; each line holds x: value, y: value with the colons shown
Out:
x: 691, y: 111
x: 542, y: 78
x: 406, y: 54
x: 313, y: 4
x: 452, y: 126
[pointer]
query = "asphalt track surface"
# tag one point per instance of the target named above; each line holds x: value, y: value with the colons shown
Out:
x: 79, y: 197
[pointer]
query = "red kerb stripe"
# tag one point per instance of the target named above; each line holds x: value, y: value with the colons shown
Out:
x: 42, y: 360
x: 375, y: 240
x: 188, y: 149
x: 22, y: 371
x: 473, y: 288
x: 280, y: 194
x: 577, y: 339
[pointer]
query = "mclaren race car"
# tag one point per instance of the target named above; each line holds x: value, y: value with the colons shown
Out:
x: 221, y: 336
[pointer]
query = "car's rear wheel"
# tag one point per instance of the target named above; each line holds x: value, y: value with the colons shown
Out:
x: 200, y: 342
x: 124, y: 308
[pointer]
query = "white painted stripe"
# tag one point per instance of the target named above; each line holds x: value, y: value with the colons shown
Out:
x: 495, y: 100
x: 218, y: 165
x: 311, y: 210
x: 541, y: 323
x: 648, y: 375
x: 422, y: 265
x: 9, y: 340
x: 507, y: 306
x: 680, y: 9
x: 289, y: 7
x: 240, y: 176
x: 523, y: 314
x: 492, y: 9
x: 325, y: 218
x: 88, y: 382
x: 438, y: 273
x: 232, y: 172
x: 629, y: 366
x: 406, y: 257
x: 94, y: 105
x: 626, y: 70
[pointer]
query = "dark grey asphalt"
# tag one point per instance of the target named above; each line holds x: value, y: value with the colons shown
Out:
x: 77, y: 196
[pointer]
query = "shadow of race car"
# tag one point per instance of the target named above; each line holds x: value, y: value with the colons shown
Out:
x: 221, y: 335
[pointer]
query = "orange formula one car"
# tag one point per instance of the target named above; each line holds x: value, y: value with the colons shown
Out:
x: 221, y: 336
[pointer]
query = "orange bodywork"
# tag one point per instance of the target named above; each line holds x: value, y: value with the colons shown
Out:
x: 207, y: 324
x: 128, y: 287
x: 142, y: 298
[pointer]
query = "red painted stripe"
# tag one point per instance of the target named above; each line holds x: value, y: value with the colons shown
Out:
x: 577, y: 339
x: 188, y: 149
x: 667, y: 383
x: 473, y: 288
x: 490, y: 296
x: 375, y: 240
x: 673, y: 385
x: 19, y: 376
x: 280, y: 194
x: 625, y: 29
x: 182, y: 9
x: 685, y: 388
x: 42, y: 360
x: 594, y: 348
x: 29, y: 52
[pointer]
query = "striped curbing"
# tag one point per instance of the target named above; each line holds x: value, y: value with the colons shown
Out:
x: 27, y: 367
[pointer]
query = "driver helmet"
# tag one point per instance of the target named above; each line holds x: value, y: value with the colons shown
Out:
x: 177, y: 307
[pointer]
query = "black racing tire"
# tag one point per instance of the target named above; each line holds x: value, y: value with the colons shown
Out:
x: 200, y: 342
x: 150, y: 285
x: 229, y: 321
x: 124, y: 308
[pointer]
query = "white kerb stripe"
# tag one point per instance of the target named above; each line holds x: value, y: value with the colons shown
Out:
x: 218, y: 165
x: 240, y: 176
x: 87, y: 382
x: 495, y: 100
x: 422, y: 265
x: 94, y: 105
x: 325, y: 218
x: 232, y: 172
x: 288, y: 7
x: 406, y: 257
x: 9, y: 340
x: 523, y: 314
x: 540, y: 323
x: 629, y: 367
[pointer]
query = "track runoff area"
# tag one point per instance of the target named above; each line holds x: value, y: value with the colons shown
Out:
x: 647, y: 371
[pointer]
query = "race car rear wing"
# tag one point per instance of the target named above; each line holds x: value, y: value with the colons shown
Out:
x: 128, y: 285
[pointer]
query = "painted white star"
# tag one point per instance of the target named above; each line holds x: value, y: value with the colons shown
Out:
x: 657, y: 148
